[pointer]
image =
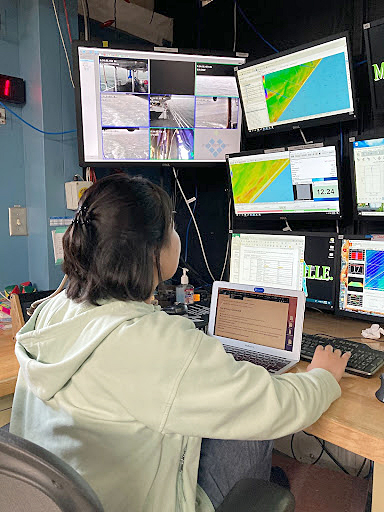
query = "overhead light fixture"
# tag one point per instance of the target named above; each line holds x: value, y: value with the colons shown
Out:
x: 205, y: 2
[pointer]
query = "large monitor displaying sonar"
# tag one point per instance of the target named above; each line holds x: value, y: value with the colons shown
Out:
x: 362, y: 278
x: 297, y: 87
x: 142, y: 106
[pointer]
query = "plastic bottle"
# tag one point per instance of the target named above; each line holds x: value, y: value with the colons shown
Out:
x: 184, y: 291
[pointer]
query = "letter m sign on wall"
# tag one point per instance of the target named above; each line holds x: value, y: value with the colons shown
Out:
x: 374, y: 37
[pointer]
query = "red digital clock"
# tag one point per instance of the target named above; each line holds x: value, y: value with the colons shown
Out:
x: 12, y: 89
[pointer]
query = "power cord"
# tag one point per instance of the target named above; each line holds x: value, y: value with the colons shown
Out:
x: 63, y: 43
x: 253, y: 27
x: 195, y: 223
x: 31, y: 125
x: 189, y: 225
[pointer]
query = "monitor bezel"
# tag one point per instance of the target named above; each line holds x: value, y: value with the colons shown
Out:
x: 333, y: 118
x: 367, y: 27
x: 291, y: 216
x: 144, y: 48
x: 324, y: 234
x: 356, y: 215
x: 351, y: 314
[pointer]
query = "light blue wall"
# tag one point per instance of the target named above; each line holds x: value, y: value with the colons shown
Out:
x: 44, y: 162
x: 13, y: 250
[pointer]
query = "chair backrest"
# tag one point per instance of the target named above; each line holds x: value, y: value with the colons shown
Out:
x: 33, y: 479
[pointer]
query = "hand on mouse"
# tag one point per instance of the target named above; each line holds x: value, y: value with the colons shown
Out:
x: 330, y: 360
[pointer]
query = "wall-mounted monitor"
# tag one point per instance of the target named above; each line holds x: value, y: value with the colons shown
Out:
x: 361, y: 283
x: 374, y: 34
x: 307, y: 85
x: 368, y: 161
x: 292, y: 183
x: 155, y: 107
x: 293, y: 260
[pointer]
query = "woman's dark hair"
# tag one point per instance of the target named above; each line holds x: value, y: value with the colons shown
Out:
x: 115, y: 240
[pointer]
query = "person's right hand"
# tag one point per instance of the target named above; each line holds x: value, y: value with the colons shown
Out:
x: 330, y: 360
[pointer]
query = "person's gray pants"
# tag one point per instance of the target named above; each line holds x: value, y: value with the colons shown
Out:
x: 223, y: 463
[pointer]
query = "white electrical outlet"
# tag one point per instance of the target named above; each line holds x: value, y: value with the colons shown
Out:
x: 2, y: 116
x: 18, y: 221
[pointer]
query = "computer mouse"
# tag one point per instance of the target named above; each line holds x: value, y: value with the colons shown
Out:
x: 380, y: 392
x: 176, y: 309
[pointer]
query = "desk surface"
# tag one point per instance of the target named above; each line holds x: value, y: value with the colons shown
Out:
x: 9, y: 366
x: 354, y: 422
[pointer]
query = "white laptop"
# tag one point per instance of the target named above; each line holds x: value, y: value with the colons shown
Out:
x: 260, y: 325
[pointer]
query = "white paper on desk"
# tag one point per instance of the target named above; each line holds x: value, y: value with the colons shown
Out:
x: 58, y: 250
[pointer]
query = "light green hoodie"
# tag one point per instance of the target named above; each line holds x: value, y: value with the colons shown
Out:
x: 124, y: 393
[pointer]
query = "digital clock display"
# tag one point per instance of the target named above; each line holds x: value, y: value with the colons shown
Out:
x: 12, y: 89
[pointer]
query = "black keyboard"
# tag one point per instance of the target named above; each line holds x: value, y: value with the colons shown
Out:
x: 364, y: 360
x: 270, y: 363
x: 198, y: 314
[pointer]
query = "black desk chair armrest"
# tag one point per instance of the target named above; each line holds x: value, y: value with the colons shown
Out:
x: 251, y: 495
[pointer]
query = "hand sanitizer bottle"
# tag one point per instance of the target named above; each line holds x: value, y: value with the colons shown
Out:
x: 184, y: 291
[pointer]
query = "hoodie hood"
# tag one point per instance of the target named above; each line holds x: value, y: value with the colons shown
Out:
x: 61, y: 335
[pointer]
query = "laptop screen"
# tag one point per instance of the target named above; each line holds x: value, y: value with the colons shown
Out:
x: 259, y: 318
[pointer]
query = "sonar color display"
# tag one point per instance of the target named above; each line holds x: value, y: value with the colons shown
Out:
x: 313, y: 88
x: 282, y: 86
x: 374, y: 279
x: 251, y: 179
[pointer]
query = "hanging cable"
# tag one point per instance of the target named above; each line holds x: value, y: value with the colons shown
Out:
x: 234, y: 26
x: 84, y: 5
x: 229, y: 231
x: 189, y: 225
x: 63, y: 43
x: 253, y: 27
x: 195, y: 223
x: 31, y: 125
x: 67, y: 21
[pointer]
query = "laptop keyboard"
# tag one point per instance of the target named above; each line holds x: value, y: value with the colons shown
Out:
x: 270, y: 363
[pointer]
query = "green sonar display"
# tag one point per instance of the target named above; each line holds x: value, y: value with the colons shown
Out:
x: 282, y: 86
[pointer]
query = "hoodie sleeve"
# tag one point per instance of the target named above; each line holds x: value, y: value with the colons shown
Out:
x: 220, y: 398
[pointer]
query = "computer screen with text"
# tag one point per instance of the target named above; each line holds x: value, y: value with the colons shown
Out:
x: 262, y: 319
x: 275, y: 261
x: 368, y: 156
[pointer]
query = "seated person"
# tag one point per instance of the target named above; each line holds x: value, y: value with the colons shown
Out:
x: 125, y: 393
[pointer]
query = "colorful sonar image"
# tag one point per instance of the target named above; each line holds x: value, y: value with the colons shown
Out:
x: 374, y: 277
x: 315, y: 87
x: 266, y: 181
x: 282, y: 86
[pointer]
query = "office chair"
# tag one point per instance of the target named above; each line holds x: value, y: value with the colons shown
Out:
x: 251, y: 495
x: 33, y: 479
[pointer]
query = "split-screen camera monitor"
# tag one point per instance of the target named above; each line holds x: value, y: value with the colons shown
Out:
x: 361, y: 292
x: 368, y: 157
x: 299, y: 87
x: 142, y: 106
x: 288, y: 183
x: 293, y: 261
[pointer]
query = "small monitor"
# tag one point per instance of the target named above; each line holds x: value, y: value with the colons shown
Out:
x: 274, y: 261
x: 299, y: 87
x: 298, y: 261
x: 286, y: 183
x: 368, y: 158
x: 361, y: 293
x: 155, y: 107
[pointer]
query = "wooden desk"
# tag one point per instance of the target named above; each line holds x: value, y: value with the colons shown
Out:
x: 355, y: 421
x: 9, y: 365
